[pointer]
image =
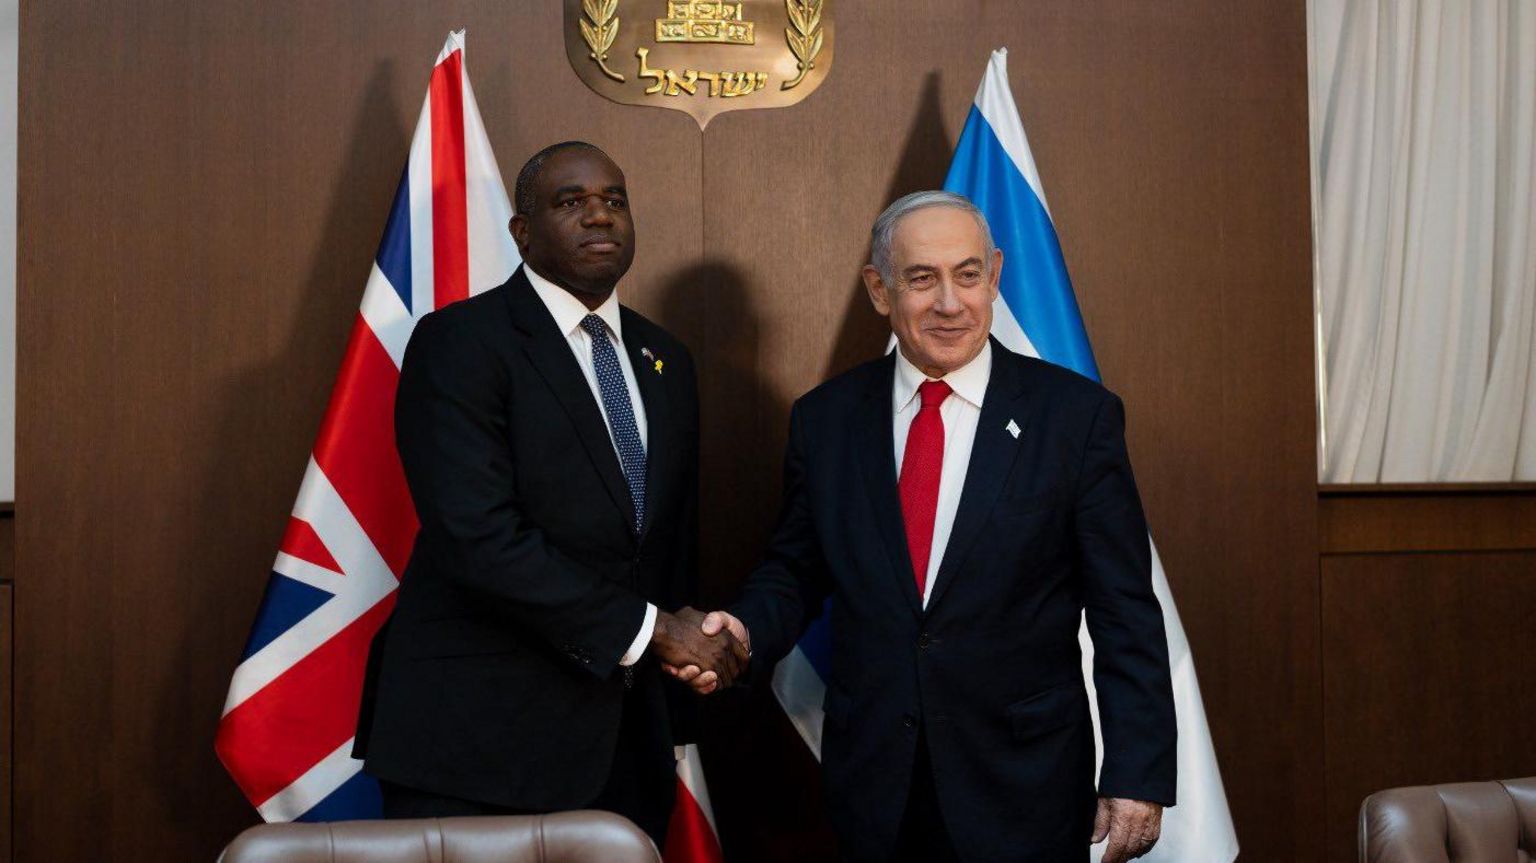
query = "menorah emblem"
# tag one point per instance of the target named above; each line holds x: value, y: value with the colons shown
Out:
x: 718, y: 21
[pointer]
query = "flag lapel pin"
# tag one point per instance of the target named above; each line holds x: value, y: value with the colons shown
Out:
x: 1013, y: 429
x: 646, y: 352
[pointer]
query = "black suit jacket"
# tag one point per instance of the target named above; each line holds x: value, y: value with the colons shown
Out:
x: 1049, y: 524
x: 496, y: 678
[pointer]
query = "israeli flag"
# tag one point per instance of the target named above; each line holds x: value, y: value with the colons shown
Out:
x: 1036, y: 314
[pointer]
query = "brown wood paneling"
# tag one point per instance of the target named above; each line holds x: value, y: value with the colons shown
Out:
x: 1174, y: 157
x: 1428, y: 674
x: 7, y: 547
x: 1471, y: 518
x: 7, y: 700
x: 202, y: 187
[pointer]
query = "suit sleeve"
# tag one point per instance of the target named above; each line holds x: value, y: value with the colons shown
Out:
x: 450, y: 428
x: 1130, y: 647
x: 787, y: 590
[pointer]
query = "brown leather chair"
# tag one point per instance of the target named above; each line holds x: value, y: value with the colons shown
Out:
x: 564, y: 837
x: 1469, y: 822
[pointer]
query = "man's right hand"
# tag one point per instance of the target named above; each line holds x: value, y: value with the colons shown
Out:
x: 688, y: 640
x: 716, y: 624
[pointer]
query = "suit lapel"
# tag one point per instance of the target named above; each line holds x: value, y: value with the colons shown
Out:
x: 659, y: 450
x: 875, y: 444
x: 550, y: 353
x: 992, y: 456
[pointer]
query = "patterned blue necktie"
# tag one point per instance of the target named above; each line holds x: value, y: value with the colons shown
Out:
x: 621, y: 414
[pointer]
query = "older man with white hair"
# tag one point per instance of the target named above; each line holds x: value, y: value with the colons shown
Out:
x: 962, y: 506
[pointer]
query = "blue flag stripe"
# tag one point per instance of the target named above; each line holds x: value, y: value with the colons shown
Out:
x: 285, y: 603
x: 394, y: 256
x: 816, y: 643
x: 1034, y: 283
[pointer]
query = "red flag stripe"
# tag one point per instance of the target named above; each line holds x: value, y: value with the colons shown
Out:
x: 690, y: 839
x: 356, y: 447
x: 301, y: 541
x: 450, y: 220
x: 278, y: 734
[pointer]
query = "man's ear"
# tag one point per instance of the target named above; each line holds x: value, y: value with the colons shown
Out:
x: 879, y: 293
x: 519, y: 228
x: 997, y: 270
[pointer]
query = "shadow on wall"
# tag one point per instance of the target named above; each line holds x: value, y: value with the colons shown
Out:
x: 709, y: 305
x: 923, y: 164
x: 249, y: 481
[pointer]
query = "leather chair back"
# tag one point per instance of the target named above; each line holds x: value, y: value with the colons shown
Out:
x: 1470, y: 822
x: 563, y: 837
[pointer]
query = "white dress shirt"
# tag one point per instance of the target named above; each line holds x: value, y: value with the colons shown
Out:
x: 960, y: 412
x: 568, y: 313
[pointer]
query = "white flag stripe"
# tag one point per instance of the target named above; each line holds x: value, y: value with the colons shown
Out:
x: 419, y: 171
x: 997, y: 106
x: 1007, y: 330
x: 320, y: 505
x: 316, y: 784
x: 492, y: 259
x: 800, y: 691
x: 690, y: 769
x: 386, y: 315
x: 1002, y: 114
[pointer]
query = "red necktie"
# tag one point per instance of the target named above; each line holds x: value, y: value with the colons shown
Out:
x: 921, y: 465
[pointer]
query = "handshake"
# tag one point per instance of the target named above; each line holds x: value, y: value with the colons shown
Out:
x: 706, y: 651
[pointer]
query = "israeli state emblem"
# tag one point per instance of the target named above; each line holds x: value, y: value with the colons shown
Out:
x: 704, y: 57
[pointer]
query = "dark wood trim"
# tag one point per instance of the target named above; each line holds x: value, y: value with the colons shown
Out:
x: 7, y: 509
x: 1498, y: 517
x: 7, y: 710
x: 1424, y: 488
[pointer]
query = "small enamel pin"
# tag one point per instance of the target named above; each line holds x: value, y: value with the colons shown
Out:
x: 1013, y: 429
x: 646, y: 352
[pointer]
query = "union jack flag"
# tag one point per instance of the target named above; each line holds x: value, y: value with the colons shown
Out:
x: 286, y: 734
x: 288, y: 723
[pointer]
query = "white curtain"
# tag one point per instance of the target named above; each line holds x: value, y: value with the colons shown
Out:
x: 1424, y: 151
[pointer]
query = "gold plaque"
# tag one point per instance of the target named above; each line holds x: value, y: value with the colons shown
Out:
x: 704, y: 57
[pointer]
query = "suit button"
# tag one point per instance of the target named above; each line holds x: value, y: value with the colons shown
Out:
x: 923, y: 641
x: 909, y: 721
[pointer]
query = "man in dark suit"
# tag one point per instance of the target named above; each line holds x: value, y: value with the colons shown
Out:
x: 550, y: 440
x: 962, y: 506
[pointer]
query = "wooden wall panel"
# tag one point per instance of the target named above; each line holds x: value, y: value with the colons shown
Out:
x: 1428, y: 674
x: 7, y: 711
x: 202, y: 186
x: 1174, y: 157
x: 7, y: 675
x: 202, y: 189
x: 1479, y: 517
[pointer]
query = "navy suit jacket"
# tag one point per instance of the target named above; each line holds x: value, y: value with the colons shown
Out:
x: 1049, y: 525
x: 496, y: 676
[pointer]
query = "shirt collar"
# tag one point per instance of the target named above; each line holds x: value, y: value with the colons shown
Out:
x: 969, y: 381
x: 569, y: 311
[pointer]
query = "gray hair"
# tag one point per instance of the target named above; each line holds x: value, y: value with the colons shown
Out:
x: 884, y: 230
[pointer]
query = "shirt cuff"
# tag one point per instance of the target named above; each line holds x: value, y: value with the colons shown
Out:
x: 637, y: 647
